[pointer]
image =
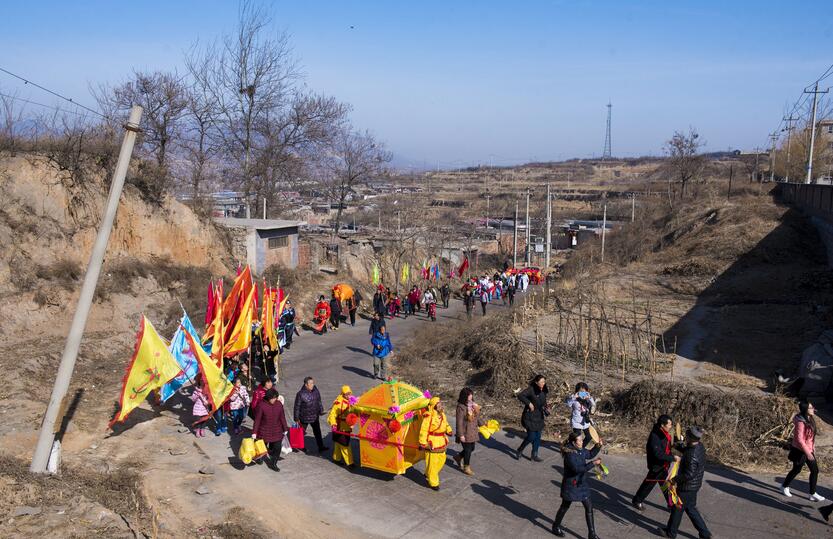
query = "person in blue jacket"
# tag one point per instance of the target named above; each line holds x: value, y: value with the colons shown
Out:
x: 574, y: 487
x: 382, y: 347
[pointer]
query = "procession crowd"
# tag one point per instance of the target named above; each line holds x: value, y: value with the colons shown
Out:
x: 675, y: 462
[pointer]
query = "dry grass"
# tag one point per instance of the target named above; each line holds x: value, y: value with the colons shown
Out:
x: 743, y: 428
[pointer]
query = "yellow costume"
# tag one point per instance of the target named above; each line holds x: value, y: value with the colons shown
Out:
x: 433, y: 434
x: 338, y: 419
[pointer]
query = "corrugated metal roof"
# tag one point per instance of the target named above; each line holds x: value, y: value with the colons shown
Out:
x: 260, y: 224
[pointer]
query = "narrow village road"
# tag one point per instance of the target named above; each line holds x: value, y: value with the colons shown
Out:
x: 504, y: 497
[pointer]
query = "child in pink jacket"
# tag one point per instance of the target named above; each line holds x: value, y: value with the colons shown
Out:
x: 200, y: 410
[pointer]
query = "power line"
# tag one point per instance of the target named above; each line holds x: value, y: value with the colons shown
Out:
x: 51, y: 107
x: 56, y: 94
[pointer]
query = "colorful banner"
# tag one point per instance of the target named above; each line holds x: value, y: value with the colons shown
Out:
x: 180, y: 349
x: 151, y: 367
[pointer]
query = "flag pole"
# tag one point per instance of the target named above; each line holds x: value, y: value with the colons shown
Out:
x: 46, y: 437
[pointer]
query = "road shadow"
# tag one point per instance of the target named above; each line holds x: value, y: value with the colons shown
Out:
x: 358, y: 350
x: 355, y: 370
x: 762, y: 499
x: 501, y: 496
x: 492, y: 443
x: 616, y: 505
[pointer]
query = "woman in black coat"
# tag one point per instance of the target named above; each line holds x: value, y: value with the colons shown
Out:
x: 308, y: 407
x: 574, y: 487
x: 534, y: 399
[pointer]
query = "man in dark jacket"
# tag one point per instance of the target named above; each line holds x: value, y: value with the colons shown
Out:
x: 445, y: 293
x: 659, y: 457
x: 468, y: 301
x: 377, y: 323
x: 335, y: 312
x: 689, y: 480
x: 308, y: 407
x: 379, y: 303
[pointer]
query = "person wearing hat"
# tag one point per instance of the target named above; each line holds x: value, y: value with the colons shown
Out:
x: 433, y: 439
x: 288, y: 322
x: 689, y: 479
x: 337, y: 420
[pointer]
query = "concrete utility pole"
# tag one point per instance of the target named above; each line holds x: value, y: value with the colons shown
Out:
x: 633, y: 206
x: 46, y: 437
x: 264, y: 208
x: 789, y: 130
x: 773, y: 137
x: 815, y: 93
x: 549, y: 228
x: 604, y: 229
x: 515, y: 238
x: 488, y: 197
x: 528, y: 254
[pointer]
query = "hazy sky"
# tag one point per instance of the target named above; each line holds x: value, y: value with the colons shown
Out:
x: 454, y: 83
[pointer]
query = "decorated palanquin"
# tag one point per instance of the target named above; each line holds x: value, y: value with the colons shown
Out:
x: 343, y: 291
x: 389, y: 418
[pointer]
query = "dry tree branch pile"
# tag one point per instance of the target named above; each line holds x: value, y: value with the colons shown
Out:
x: 741, y: 428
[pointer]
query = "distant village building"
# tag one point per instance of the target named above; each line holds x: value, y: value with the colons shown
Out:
x: 263, y: 242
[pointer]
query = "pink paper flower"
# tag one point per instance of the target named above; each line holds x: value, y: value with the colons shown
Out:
x: 353, y: 400
x: 426, y: 394
x: 393, y: 410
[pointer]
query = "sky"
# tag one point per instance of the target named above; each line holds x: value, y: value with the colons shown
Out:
x: 457, y: 83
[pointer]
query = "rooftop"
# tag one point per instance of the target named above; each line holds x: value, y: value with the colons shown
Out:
x: 260, y: 224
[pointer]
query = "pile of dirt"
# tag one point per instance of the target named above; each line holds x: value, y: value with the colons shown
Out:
x: 742, y: 428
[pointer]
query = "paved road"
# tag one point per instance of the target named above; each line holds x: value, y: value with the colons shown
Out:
x: 505, y: 496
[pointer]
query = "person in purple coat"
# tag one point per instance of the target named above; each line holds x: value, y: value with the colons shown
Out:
x: 270, y: 424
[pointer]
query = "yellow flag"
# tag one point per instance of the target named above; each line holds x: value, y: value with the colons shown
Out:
x: 151, y: 367
x: 215, y: 384
x: 241, y: 335
x: 268, y: 319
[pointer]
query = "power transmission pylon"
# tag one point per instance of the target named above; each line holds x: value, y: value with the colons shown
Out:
x: 606, y: 153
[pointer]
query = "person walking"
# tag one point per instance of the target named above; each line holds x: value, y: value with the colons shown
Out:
x: 803, y: 449
x: 433, y: 439
x: 467, y: 417
x: 379, y: 302
x: 335, y: 312
x: 445, y: 293
x: 510, y: 294
x: 574, y: 487
x: 659, y: 458
x: 534, y: 399
x: 468, y: 301
x: 270, y: 424
x: 337, y: 419
x: 238, y: 402
x: 352, y: 305
x: 288, y: 322
x: 377, y: 322
x: 484, y: 298
x: 582, y: 405
x: 307, y: 409
x: 689, y: 479
x: 382, y: 347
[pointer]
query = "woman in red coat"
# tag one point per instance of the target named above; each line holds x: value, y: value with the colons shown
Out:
x: 270, y: 424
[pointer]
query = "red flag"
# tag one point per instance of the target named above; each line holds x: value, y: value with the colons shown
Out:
x: 464, y: 266
x: 209, y: 310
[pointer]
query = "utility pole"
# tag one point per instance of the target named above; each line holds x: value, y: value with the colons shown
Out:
x: 633, y: 206
x: 46, y: 437
x: 526, y: 250
x: 757, y: 155
x: 549, y: 228
x: 731, y: 175
x: 789, y: 129
x: 264, y: 208
x: 773, y: 137
x: 815, y: 93
x: 488, y: 197
x: 515, y: 238
x: 604, y: 229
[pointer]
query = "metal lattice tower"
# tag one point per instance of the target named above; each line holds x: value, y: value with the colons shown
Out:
x: 606, y: 153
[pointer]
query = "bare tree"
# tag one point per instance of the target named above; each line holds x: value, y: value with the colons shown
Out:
x: 250, y: 77
x: 199, y: 144
x: 11, y: 122
x: 353, y: 158
x: 684, y: 160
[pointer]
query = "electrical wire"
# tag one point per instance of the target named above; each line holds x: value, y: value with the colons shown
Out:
x: 56, y: 94
x: 51, y: 107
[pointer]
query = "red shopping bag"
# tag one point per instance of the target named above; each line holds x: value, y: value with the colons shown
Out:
x: 296, y: 437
